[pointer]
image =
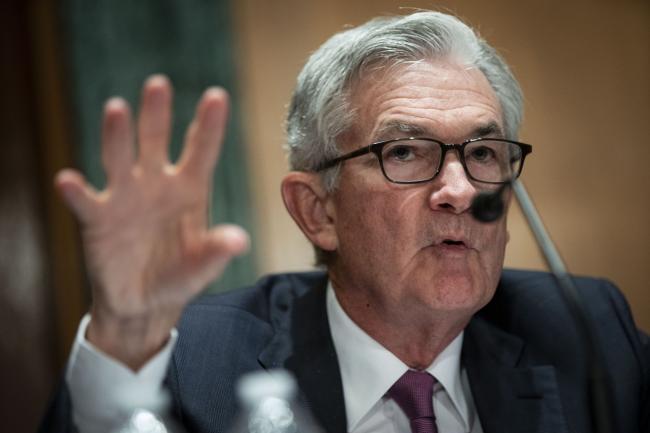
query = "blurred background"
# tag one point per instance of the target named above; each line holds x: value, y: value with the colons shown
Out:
x: 584, y: 67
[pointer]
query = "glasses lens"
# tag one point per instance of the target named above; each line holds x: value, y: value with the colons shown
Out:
x: 493, y: 160
x: 410, y: 160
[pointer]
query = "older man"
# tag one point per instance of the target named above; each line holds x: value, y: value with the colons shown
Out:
x: 394, y: 127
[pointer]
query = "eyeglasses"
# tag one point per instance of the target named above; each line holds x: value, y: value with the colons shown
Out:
x: 417, y: 159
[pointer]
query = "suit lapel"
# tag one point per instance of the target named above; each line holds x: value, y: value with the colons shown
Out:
x: 304, y: 346
x: 510, y: 397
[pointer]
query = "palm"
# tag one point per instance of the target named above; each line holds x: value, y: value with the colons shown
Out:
x: 145, y: 242
x: 146, y: 238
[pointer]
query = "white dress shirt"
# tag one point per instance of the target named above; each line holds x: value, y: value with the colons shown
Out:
x: 103, y: 390
x: 368, y: 370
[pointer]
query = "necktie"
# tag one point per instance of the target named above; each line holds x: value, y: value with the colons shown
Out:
x: 413, y: 392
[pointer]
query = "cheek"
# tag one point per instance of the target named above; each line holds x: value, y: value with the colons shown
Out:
x: 377, y: 228
x: 501, y: 238
x: 493, y: 255
x: 368, y: 226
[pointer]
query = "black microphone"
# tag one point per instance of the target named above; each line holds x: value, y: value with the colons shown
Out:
x: 488, y: 206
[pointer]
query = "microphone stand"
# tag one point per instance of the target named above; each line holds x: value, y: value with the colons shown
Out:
x: 599, y: 395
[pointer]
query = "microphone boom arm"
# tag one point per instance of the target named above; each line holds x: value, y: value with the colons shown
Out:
x: 549, y: 252
x: 600, y: 398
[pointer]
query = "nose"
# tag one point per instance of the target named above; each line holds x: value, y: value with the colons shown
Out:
x: 452, y: 189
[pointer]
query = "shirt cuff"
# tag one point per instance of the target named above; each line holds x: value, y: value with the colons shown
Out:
x: 104, y: 391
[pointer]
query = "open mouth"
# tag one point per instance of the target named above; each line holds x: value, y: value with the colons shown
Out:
x: 453, y: 242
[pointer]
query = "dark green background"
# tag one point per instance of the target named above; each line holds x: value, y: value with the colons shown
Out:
x: 112, y: 46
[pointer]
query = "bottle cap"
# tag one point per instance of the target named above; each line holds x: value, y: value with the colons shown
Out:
x: 254, y: 387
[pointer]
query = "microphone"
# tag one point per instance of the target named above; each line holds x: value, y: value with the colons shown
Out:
x: 488, y: 206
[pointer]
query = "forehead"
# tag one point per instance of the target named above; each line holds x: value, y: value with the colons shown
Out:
x: 439, y: 99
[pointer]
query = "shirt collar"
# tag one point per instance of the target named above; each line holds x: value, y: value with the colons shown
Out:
x: 447, y: 370
x: 368, y: 369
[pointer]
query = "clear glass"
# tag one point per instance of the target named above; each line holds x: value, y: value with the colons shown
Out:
x: 155, y: 418
x: 268, y: 404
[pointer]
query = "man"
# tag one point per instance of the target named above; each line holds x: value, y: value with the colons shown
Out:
x: 414, y: 299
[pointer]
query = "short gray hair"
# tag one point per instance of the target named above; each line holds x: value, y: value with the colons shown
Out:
x: 320, y: 109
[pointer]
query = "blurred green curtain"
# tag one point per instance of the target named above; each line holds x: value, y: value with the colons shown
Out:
x: 113, y: 45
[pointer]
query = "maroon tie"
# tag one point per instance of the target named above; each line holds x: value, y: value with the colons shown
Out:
x: 413, y: 392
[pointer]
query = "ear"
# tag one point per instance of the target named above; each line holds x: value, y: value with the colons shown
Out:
x: 311, y: 208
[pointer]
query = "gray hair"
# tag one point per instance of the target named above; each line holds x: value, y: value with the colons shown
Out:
x: 320, y: 109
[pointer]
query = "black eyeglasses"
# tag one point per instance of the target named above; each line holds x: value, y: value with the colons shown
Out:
x: 417, y: 159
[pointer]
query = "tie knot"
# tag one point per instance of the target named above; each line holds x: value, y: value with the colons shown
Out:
x: 413, y: 392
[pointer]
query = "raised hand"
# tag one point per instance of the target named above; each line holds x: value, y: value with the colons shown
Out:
x: 147, y: 243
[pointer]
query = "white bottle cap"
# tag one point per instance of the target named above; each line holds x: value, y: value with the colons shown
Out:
x: 254, y: 387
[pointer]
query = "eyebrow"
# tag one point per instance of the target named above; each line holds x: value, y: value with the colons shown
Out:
x: 388, y: 130
x: 491, y: 128
x: 399, y: 127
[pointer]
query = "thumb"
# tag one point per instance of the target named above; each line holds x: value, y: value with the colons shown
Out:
x: 79, y: 196
x: 227, y: 239
x: 220, y: 245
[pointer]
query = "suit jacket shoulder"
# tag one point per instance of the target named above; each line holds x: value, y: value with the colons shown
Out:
x: 280, y: 322
x: 531, y: 356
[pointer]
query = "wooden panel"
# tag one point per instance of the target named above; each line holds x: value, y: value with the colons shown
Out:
x: 27, y: 337
x: 51, y: 122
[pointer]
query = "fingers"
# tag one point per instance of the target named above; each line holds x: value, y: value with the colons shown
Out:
x: 117, y: 141
x: 219, y: 246
x: 205, y: 135
x: 227, y: 240
x: 154, y: 123
x: 80, y: 197
x: 222, y: 243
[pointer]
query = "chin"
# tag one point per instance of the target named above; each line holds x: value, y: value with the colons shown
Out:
x: 460, y: 293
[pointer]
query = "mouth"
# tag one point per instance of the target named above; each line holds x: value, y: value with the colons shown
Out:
x: 453, y: 245
x: 453, y: 242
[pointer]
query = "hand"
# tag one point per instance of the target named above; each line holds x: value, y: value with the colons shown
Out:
x: 147, y: 244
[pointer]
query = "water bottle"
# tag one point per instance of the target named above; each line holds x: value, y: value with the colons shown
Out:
x: 268, y: 405
x: 154, y: 418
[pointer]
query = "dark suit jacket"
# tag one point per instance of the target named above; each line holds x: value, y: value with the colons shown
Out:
x: 522, y: 353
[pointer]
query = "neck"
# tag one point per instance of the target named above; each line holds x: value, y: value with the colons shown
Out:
x: 415, y: 334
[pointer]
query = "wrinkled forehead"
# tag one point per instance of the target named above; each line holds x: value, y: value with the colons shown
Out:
x: 440, y: 98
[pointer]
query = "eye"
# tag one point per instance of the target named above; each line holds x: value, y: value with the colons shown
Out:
x: 399, y: 152
x: 481, y: 154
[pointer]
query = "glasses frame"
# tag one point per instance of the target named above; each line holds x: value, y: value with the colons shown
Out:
x: 377, y: 148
